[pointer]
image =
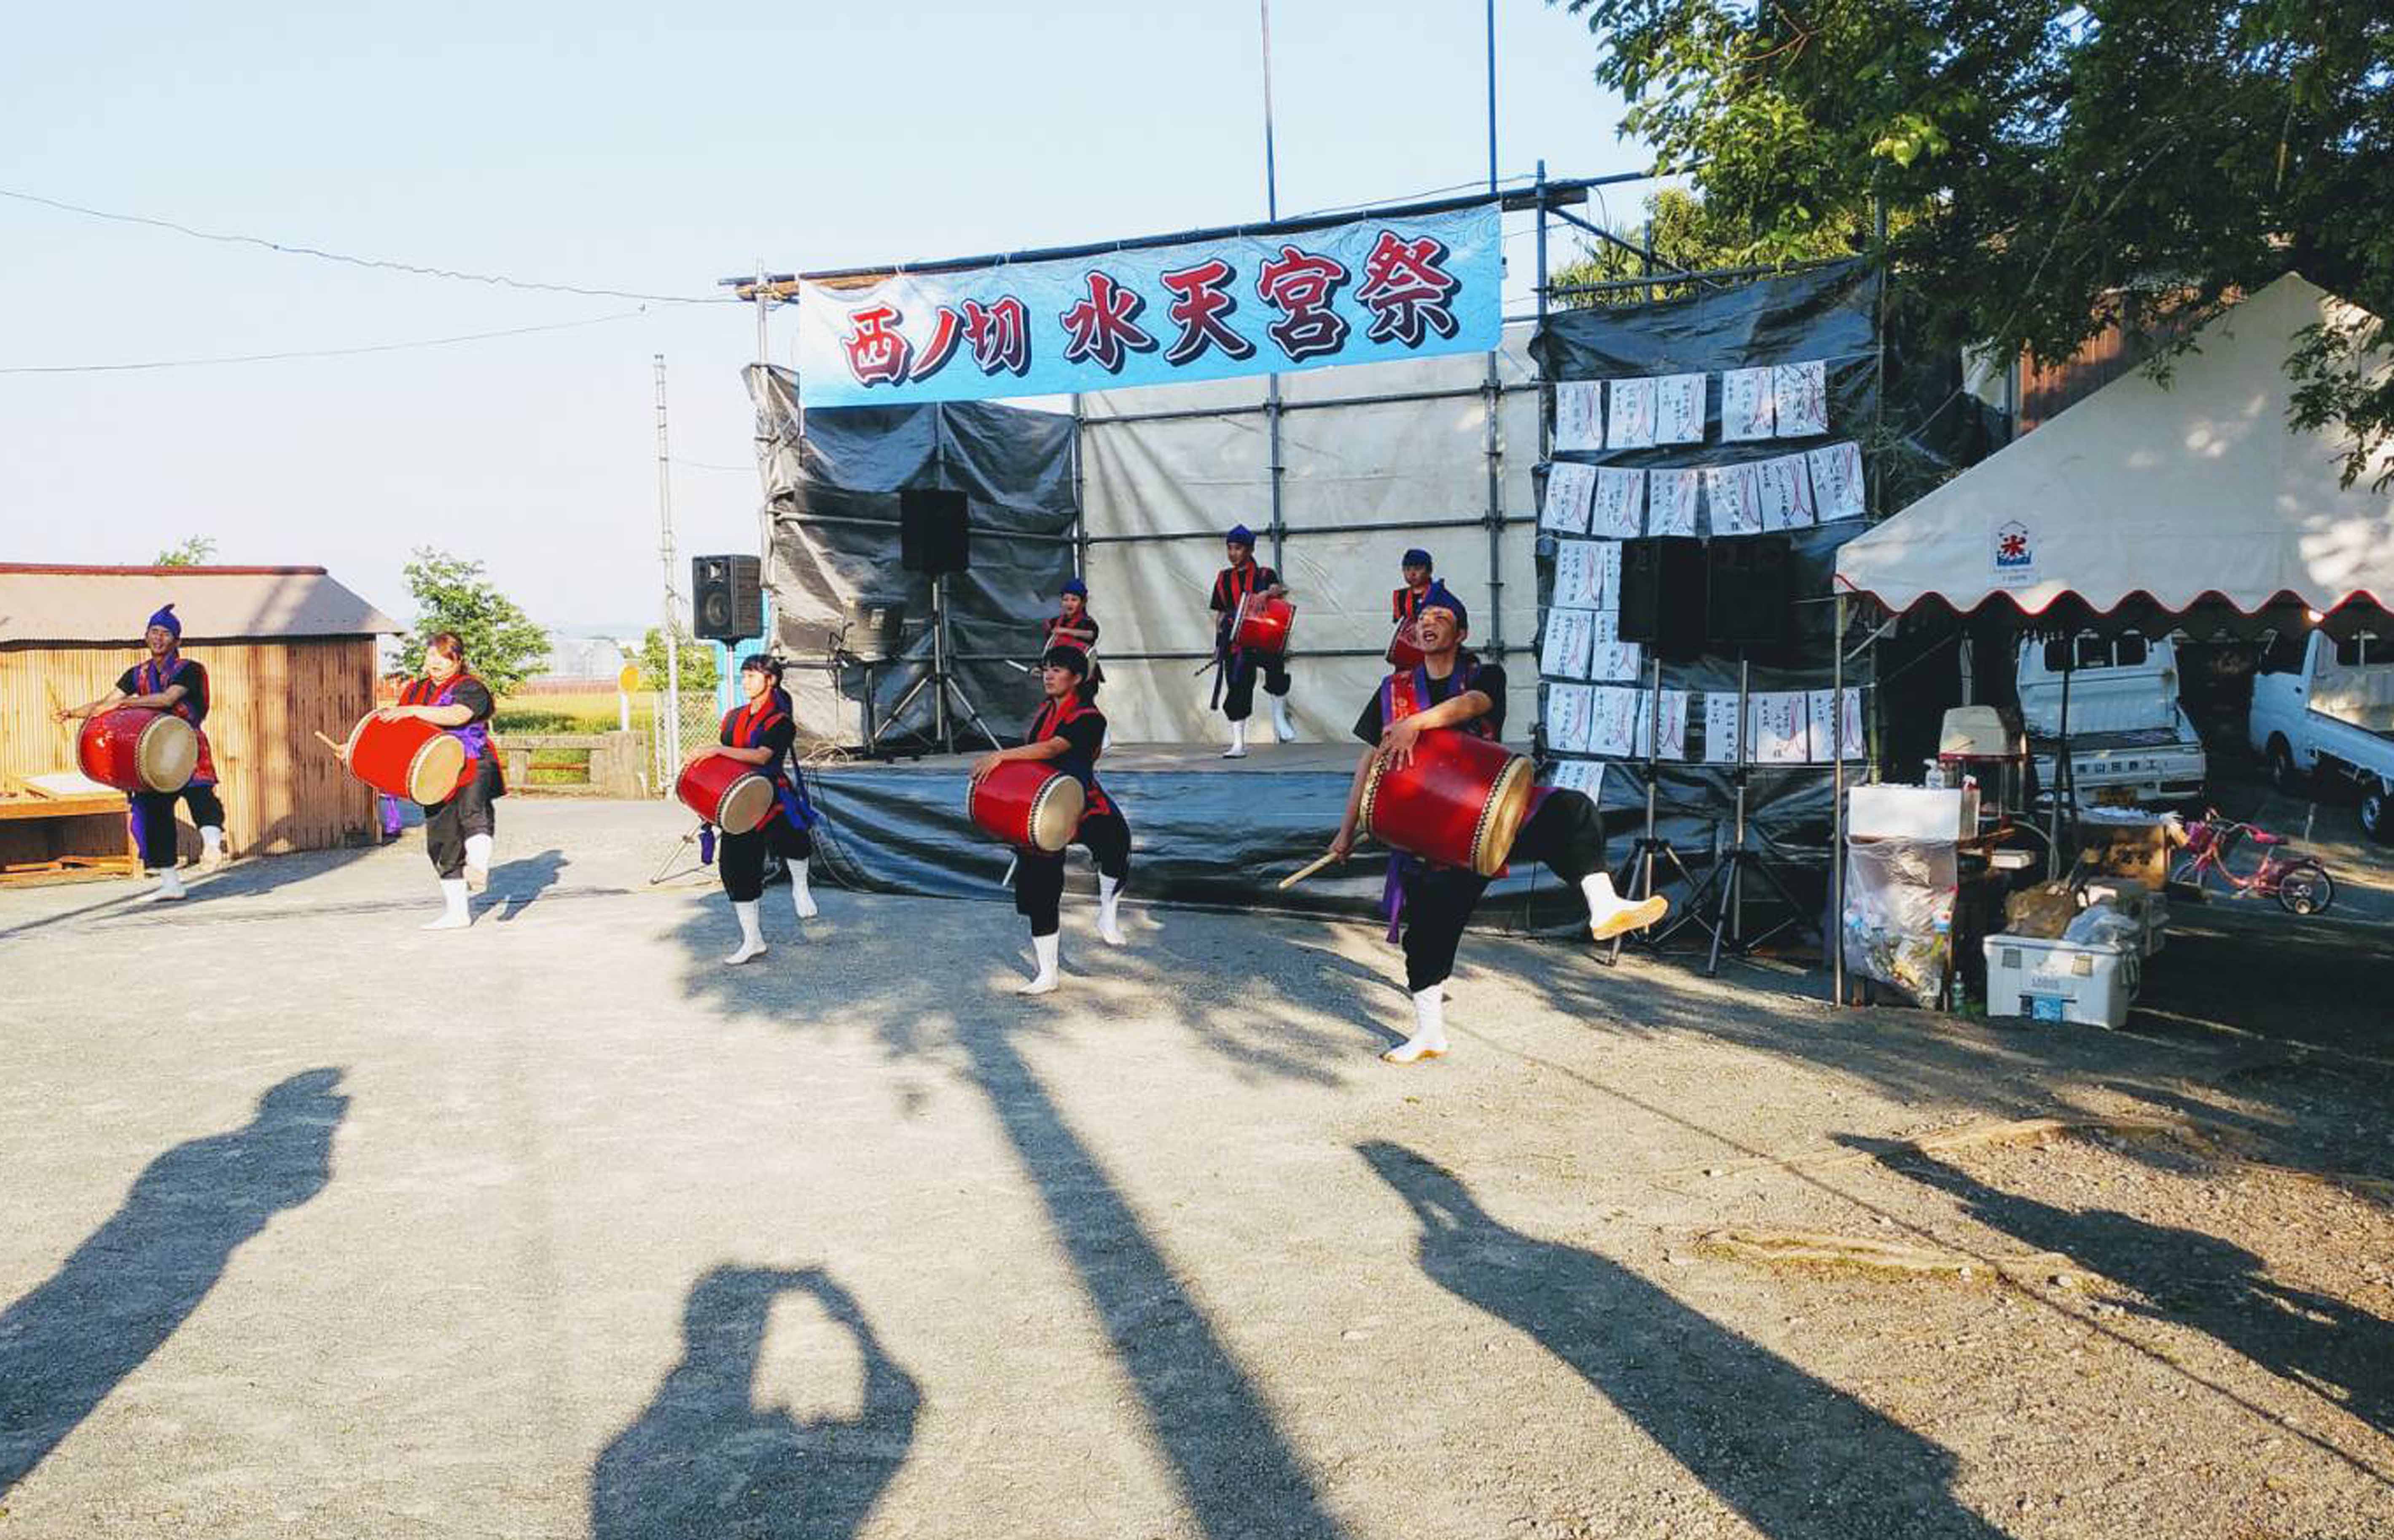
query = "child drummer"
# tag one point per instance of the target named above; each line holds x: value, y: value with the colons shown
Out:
x: 1407, y: 603
x: 458, y: 830
x: 168, y: 681
x: 1068, y: 732
x: 760, y: 733
x: 1454, y: 692
x: 1072, y: 625
x: 1232, y: 585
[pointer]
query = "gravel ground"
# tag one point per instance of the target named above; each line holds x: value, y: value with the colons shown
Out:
x: 316, y: 1224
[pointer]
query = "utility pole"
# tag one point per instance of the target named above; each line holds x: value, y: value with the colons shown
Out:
x: 672, y: 724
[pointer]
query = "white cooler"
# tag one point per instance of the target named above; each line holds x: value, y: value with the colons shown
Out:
x: 2060, y: 980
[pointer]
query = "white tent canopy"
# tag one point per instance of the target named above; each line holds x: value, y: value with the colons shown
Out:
x: 2177, y: 495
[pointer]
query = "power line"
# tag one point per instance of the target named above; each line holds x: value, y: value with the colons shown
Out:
x: 287, y: 249
x: 316, y: 353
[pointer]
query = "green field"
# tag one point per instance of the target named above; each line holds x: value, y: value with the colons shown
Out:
x: 596, y: 712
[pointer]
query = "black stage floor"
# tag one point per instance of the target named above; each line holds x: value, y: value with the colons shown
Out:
x: 1205, y: 831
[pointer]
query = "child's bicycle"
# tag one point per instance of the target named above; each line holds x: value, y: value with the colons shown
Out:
x: 2300, y: 884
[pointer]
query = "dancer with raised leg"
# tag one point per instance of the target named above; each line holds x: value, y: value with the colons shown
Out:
x: 458, y: 830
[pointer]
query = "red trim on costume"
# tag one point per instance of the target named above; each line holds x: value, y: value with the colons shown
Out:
x: 1050, y: 723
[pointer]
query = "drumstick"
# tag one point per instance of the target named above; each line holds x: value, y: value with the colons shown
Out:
x: 327, y: 741
x: 1307, y: 870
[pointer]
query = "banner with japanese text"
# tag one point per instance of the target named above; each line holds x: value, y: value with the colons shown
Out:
x: 1365, y: 292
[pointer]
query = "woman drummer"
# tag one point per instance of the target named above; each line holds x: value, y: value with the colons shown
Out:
x: 1430, y: 904
x: 1068, y: 732
x: 760, y: 733
x: 168, y: 681
x: 458, y: 830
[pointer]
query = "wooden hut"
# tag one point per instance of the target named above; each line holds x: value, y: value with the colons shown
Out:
x: 288, y: 651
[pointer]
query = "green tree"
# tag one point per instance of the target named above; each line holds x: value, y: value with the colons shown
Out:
x: 502, y: 643
x: 697, y: 660
x: 2049, y: 168
x: 1685, y: 235
x: 195, y: 551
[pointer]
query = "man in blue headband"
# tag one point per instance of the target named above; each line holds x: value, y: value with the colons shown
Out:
x: 1451, y: 690
x: 170, y: 682
x: 1234, y: 585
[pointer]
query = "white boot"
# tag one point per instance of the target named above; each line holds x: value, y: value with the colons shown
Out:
x: 1109, y: 900
x: 1282, y: 728
x: 1429, y: 1040
x: 478, y: 862
x: 1238, y: 749
x: 752, y: 934
x: 211, y: 849
x: 801, y: 898
x: 454, y: 914
x: 1044, y: 949
x: 170, y: 887
x: 1610, y: 914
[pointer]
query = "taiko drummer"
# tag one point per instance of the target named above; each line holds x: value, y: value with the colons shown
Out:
x: 1243, y: 579
x: 759, y: 732
x: 1452, y: 690
x: 1068, y: 732
x: 458, y: 830
x: 168, y: 681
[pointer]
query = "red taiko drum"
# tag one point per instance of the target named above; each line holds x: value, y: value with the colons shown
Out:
x: 1262, y: 624
x: 1404, y: 648
x: 735, y: 798
x: 409, y: 758
x: 1028, y: 805
x: 1459, y: 803
x: 137, y: 749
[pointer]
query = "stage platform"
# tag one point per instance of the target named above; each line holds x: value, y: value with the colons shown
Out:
x: 1206, y: 831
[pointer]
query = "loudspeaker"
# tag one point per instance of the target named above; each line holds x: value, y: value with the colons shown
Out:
x: 727, y: 597
x: 934, y: 533
x: 1663, y: 594
x: 1747, y: 590
x: 877, y: 626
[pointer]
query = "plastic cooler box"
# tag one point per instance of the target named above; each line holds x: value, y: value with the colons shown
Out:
x: 2060, y: 981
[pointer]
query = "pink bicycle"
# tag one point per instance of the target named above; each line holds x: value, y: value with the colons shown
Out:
x: 2300, y: 884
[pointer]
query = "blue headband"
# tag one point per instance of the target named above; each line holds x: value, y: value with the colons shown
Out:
x: 1240, y: 536
x: 165, y: 617
x: 1442, y: 597
x: 1416, y: 557
x: 1074, y: 587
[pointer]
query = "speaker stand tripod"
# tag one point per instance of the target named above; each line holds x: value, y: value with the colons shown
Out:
x: 939, y: 681
x: 1732, y: 868
x: 1636, y: 879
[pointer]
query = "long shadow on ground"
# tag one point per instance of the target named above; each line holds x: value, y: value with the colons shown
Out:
x: 123, y: 1292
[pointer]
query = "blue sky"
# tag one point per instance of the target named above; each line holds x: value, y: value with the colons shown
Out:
x: 601, y: 145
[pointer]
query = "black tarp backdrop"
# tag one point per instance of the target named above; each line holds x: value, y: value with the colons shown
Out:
x: 834, y: 505
x: 1916, y: 426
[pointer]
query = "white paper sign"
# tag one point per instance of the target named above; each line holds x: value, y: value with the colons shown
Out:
x: 1786, y: 493
x: 1570, y: 487
x: 1613, y: 730
x: 1569, y: 635
x: 1631, y: 423
x: 1569, y: 713
x: 1800, y: 397
x: 1838, y: 481
x: 1620, y: 504
x: 1735, y: 494
x: 1674, y: 723
x: 1828, y: 719
x: 1579, y: 575
x: 1583, y: 776
x: 1607, y: 573
x: 1776, y: 727
x: 1679, y: 409
x: 1579, y: 414
x: 1721, y: 727
x: 1671, y: 501
x: 1610, y: 657
x: 1745, y: 404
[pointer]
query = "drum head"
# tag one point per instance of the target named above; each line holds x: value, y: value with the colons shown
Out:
x: 1056, y: 816
x: 1500, y: 820
x: 746, y: 803
x: 166, y: 754
x: 432, y: 772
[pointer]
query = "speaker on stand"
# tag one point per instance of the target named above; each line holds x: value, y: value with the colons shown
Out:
x: 1663, y: 611
x: 935, y: 537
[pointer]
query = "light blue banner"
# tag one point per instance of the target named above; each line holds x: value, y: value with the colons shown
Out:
x: 1365, y: 292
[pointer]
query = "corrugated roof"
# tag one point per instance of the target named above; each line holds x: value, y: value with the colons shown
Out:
x: 113, y: 604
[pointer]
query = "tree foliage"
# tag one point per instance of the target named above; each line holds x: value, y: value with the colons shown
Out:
x: 2046, y: 165
x: 503, y: 646
x: 192, y: 551
x: 696, y: 660
x: 1684, y: 235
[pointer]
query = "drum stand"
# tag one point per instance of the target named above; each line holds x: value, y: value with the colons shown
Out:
x: 1635, y: 880
x: 1730, y: 869
x: 941, y: 683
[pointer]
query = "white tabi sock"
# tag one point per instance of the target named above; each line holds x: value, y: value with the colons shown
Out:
x: 801, y: 898
x: 752, y: 934
x: 477, y: 861
x: 1282, y: 728
x: 1429, y: 1040
x: 1610, y: 914
x: 1108, y: 898
x: 1046, y: 949
x: 211, y: 845
x: 1238, y: 749
x: 454, y: 914
x: 170, y: 885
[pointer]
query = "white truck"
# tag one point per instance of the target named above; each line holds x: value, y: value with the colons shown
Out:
x: 2129, y: 738
x: 2324, y: 708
